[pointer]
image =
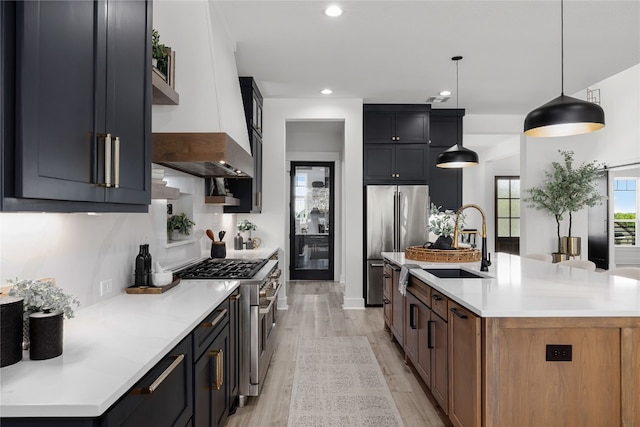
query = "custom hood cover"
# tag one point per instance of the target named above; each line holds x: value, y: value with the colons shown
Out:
x: 203, y: 154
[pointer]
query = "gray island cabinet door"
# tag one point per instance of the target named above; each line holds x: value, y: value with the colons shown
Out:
x: 82, y: 71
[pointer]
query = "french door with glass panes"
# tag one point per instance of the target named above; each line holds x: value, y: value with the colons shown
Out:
x: 507, y: 191
x: 312, y: 221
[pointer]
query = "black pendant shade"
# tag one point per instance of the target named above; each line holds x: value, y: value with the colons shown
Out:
x: 564, y: 116
x: 457, y: 157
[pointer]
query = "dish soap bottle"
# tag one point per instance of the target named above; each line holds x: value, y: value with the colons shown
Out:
x: 141, y: 277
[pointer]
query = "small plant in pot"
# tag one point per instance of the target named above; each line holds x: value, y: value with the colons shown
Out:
x: 45, y: 305
x: 179, y: 225
x: 159, y: 53
x: 442, y: 224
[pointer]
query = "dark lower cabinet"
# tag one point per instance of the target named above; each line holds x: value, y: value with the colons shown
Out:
x: 77, y: 109
x: 163, y: 397
x: 233, y: 376
x: 211, y: 384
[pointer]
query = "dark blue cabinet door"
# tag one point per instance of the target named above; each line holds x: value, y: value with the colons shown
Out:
x: 82, y: 71
x: 56, y: 154
x: 128, y: 97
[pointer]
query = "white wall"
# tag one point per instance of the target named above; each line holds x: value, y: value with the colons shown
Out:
x: 276, y: 113
x: 206, y: 74
x: 618, y: 143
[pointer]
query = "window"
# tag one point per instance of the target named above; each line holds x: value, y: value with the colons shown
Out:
x: 625, y: 210
x: 508, y: 206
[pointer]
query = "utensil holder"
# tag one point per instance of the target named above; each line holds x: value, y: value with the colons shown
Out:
x: 218, y: 250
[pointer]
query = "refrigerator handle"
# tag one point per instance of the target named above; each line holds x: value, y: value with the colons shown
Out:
x: 398, y: 247
x: 395, y: 221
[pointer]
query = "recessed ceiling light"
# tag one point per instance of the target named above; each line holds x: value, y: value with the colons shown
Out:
x: 445, y: 93
x: 326, y: 91
x: 333, y: 11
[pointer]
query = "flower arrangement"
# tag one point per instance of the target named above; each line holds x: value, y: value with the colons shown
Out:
x: 42, y: 295
x: 442, y: 223
x: 246, y: 225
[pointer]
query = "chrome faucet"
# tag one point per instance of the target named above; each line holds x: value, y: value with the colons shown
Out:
x: 486, y: 262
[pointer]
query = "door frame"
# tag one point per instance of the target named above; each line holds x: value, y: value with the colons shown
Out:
x: 327, y: 274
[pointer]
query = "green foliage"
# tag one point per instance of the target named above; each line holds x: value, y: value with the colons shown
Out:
x: 42, y: 296
x: 567, y: 189
x: 159, y: 52
x: 442, y: 223
x: 624, y: 215
x: 181, y: 223
x: 246, y: 225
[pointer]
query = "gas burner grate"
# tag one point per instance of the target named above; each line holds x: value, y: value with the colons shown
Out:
x: 222, y: 269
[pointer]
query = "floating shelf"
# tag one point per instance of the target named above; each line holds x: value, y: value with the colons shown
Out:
x: 163, y: 94
x: 222, y: 200
x: 159, y: 191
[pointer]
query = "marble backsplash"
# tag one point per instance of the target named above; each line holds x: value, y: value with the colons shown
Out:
x: 80, y: 250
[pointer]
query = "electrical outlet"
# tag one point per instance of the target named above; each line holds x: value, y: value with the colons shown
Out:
x: 559, y: 352
x: 106, y: 287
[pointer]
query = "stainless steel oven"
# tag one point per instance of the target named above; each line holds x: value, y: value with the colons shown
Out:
x: 259, y: 282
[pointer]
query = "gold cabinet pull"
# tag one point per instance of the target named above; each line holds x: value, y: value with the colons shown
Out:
x: 116, y: 162
x: 215, y: 321
x: 163, y: 376
x: 219, y: 355
x: 107, y: 161
x: 235, y: 297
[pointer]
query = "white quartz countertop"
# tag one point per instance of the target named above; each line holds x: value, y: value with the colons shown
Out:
x: 522, y: 287
x: 107, y: 348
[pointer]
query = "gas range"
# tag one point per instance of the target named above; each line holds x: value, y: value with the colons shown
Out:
x: 222, y: 269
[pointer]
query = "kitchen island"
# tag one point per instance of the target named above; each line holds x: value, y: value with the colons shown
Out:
x: 526, y: 343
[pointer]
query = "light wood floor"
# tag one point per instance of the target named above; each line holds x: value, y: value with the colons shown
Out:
x: 315, y: 310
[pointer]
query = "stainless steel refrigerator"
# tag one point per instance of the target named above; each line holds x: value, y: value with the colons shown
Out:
x: 397, y: 217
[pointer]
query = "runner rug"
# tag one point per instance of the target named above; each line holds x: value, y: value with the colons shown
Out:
x: 338, y: 382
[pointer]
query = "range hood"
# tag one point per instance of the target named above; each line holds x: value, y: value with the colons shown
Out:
x: 206, y: 154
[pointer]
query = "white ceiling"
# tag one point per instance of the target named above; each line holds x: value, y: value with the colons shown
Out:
x: 400, y: 51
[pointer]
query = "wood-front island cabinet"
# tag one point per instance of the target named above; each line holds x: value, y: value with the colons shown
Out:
x: 522, y: 353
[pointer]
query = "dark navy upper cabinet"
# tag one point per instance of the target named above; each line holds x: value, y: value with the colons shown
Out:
x: 396, y: 144
x: 79, y: 136
x: 445, y: 185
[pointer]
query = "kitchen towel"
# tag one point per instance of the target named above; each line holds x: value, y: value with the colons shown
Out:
x: 404, y: 277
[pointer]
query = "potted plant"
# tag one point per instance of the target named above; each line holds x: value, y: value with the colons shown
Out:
x: 179, y: 225
x: 159, y: 53
x: 42, y: 296
x: 442, y: 224
x: 246, y: 227
x: 567, y: 190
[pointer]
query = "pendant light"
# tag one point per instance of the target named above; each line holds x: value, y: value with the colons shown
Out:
x: 457, y: 156
x: 564, y: 115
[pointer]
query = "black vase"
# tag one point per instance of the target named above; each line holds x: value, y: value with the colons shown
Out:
x: 442, y: 242
x: 11, y: 309
x: 45, y: 332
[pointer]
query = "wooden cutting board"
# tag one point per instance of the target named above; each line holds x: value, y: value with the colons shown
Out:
x: 152, y: 289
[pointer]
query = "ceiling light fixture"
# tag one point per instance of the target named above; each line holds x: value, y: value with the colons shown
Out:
x: 333, y: 11
x: 326, y: 91
x: 564, y: 115
x: 457, y: 156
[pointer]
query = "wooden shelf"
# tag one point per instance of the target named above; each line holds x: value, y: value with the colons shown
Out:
x: 163, y: 94
x: 159, y: 191
x: 222, y: 200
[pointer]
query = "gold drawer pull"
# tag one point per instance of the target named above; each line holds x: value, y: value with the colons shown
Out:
x: 218, y: 354
x: 163, y: 376
x: 235, y: 297
x: 215, y: 321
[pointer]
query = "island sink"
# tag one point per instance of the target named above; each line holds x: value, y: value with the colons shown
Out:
x: 453, y: 273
